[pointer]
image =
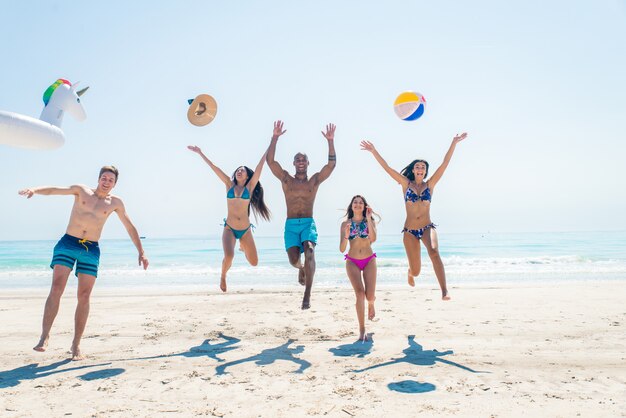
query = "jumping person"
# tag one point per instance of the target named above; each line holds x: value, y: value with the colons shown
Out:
x: 243, y: 190
x: 359, y: 231
x: 418, y: 226
x: 79, y: 246
x: 300, y: 192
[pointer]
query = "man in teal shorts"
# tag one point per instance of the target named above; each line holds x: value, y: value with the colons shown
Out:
x: 79, y: 247
x: 300, y: 192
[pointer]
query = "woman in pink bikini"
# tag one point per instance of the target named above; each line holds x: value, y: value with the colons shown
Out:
x: 418, y: 227
x: 359, y: 231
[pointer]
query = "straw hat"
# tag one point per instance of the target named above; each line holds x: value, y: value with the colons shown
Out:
x: 202, y: 110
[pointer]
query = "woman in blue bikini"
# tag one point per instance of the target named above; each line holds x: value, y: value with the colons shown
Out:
x: 243, y: 190
x: 418, y: 227
x: 359, y: 230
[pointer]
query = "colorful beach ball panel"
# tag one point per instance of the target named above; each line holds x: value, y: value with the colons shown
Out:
x: 409, y: 105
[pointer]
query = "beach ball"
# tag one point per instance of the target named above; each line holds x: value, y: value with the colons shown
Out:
x: 409, y: 105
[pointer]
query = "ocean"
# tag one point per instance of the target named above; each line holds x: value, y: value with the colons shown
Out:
x: 469, y: 259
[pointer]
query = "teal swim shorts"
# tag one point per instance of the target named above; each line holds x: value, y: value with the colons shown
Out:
x: 71, y: 250
x: 298, y: 230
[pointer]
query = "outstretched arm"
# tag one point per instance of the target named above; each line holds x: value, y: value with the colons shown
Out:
x: 223, y: 176
x: 50, y: 190
x: 276, y: 169
x: 368, y: 146
x: 446, y: 160
x: 257, y: 173
x: 332, y: 156
x: 132, y: 232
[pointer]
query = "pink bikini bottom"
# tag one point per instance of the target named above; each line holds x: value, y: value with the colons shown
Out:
x: 361, y: 263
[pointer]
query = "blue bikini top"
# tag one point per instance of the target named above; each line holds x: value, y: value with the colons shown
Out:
x: 411, y: 196
x: 361, y: 230
x: 244, y: 195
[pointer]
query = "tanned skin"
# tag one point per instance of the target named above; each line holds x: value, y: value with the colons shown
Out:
x: 90, y: 212
x: 300, y: 191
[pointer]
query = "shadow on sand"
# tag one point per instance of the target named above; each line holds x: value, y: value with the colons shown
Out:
x: 206, y: 349
x: 101, y: 374
x: 357, y: 349
x: 411, y: 386
x: 416, y: 355
x: 269, y: 356
x: 10, y: 378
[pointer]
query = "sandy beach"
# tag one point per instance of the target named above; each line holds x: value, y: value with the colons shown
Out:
x: 537, y: 350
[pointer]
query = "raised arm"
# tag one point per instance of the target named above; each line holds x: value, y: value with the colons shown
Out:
x: 332, y: 156
x: 276, y: 169
x: 50, y: 190
x: 368, y: 146
x: 132, y: 233
x: 446, y: 160
x: 257, y: 173
x: 223, y: 176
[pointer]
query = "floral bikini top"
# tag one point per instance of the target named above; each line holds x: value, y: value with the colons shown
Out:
x: 358, y: 230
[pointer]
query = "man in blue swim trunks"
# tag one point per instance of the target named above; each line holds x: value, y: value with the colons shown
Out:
x: 300, y: 192
x: 79, y: 246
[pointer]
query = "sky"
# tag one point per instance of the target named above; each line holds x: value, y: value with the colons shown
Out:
x: 539, y: 87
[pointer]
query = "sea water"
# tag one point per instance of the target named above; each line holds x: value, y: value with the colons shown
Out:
x: 469, y: 259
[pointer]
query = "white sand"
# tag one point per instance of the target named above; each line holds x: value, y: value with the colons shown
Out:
x: 540, y: 350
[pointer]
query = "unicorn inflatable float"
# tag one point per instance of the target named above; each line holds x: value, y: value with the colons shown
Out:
x: 44, y: 133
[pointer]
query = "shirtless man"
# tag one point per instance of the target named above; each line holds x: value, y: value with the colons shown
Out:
x: 300, y: 192
x: 79, y: 246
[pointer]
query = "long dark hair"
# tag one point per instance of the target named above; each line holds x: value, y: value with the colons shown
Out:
x: 408, y: 170
x: 350, y: 212
x: 256, y: 200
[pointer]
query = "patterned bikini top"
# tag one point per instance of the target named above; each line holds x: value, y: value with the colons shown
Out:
x: 411, y: 196
x: 358, y: 230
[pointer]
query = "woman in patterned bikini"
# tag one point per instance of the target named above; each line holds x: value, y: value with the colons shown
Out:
x: 243, y: 190
x: 418, y: 226
x: 359, y: 230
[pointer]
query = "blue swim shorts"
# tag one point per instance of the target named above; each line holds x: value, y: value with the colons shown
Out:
x: 298, y: 230
x: 71, y: 250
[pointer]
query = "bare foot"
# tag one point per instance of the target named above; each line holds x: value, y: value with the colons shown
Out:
x: 77, y: 355
x: 306, y: 304
x: 223, y: 284
x: 445, y: 295
x: 363, y: 336
x: 411, y: 279
x: 371, y: 312
x: 41, y: 345
x: 301, y: 276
